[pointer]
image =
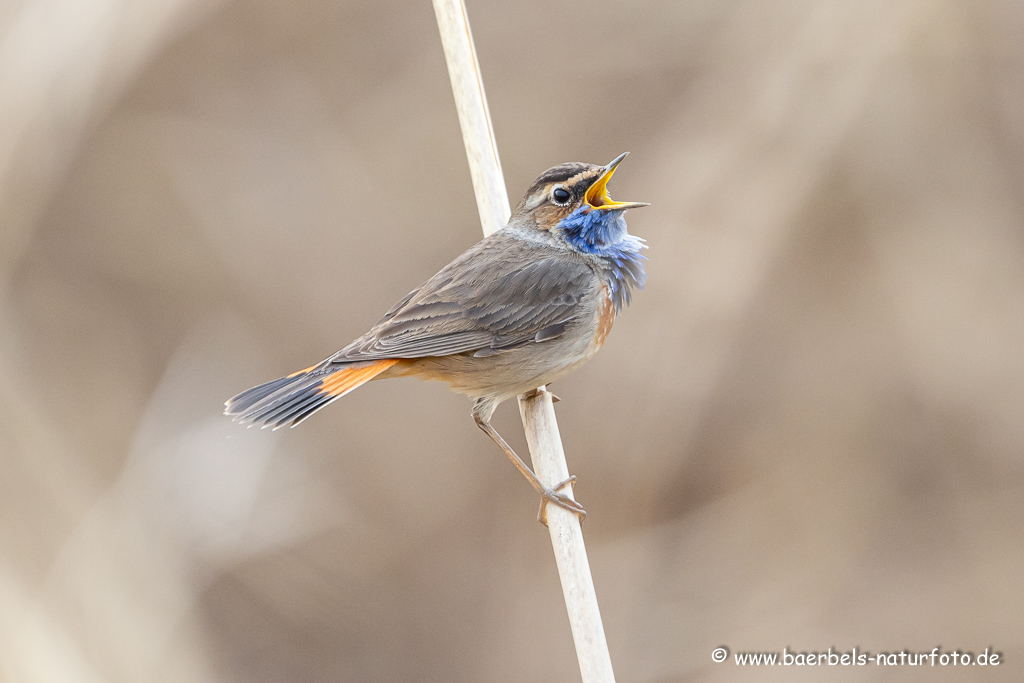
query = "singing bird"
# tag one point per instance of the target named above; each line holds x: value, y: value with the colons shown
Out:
x: 518, y: 310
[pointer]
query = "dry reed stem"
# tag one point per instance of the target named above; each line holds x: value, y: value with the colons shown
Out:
x: 537, y: 411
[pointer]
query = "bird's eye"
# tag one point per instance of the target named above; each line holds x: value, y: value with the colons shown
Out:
x: 560, y: 195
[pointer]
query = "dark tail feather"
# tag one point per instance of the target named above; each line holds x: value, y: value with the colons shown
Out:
x: 251, y: 397
x: 291, y: 399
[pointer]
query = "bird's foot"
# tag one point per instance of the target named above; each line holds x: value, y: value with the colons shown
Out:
x: 534, y: 393
x: 552, y: 495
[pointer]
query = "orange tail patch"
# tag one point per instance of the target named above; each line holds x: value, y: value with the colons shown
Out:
x: 343, y: 381
x: 291, y: 399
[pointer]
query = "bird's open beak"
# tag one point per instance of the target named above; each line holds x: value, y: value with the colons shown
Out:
x: 597, y: 194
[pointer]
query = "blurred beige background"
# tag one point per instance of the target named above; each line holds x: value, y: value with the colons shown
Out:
x: 807, y: 432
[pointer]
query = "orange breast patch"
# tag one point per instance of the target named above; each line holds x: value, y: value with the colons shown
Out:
x: 605, y: 316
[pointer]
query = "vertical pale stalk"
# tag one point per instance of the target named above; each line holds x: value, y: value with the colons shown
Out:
x: 474, y: 116
x: 537, y: 412
x: 567, y: 541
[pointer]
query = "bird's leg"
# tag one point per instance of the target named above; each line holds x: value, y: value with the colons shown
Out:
x: 547, y: 495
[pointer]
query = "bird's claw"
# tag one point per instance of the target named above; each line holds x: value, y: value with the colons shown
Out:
x: 534, y: 393
x: 552, y: 495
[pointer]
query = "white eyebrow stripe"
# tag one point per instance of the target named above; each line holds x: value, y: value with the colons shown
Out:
x: 578, y: 177
x: 542, y: 197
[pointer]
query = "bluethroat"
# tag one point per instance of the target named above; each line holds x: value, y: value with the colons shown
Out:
x: 518, y: 310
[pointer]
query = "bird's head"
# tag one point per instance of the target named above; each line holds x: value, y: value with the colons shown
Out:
x: 573, y: 197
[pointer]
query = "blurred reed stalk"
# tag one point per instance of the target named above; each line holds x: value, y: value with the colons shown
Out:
x: 538, y: 412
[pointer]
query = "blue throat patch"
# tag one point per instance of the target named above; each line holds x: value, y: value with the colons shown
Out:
x: 603, y: 234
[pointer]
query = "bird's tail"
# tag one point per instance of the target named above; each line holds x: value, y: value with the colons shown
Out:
x: 290, y: 400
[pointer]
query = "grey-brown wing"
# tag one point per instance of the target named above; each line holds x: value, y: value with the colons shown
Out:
x: 500, y: 294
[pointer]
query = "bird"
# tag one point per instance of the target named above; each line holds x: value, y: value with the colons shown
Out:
x: 518, y: 310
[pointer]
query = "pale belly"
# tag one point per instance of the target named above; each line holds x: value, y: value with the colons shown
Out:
x: 518, y: 370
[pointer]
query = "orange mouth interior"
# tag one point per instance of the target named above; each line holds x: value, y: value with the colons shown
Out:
x: 597, y: 194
